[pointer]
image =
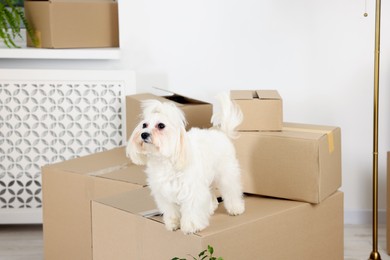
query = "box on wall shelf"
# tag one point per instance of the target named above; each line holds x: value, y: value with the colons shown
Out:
x: 197, y: 113
x: 68, y: 188
x: 302, y: 162
x: 73, y: 24
x: 269, y: 229
x: 262, y: 109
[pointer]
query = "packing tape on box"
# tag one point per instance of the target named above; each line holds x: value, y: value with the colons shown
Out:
x: 109, y: 169
x: 328, y: 133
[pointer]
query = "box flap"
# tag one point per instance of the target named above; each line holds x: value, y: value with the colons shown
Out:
x: 268, y: 94
x: 306, y: 129
x: 138, y: 202
x: 321, y: 129
x: 94, y: 162
x: 180, y: 99
x: 243, y: 94
x: 112, y: 164
x: 254, y: 94
x: 145, y: 96
x: 126, y: 173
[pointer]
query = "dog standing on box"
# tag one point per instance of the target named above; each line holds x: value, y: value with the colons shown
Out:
x: 183, y: 167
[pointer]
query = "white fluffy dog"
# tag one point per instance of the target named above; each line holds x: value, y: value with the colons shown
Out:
x: 183, y: 167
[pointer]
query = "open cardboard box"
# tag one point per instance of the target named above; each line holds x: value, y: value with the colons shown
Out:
x: 73, y: 24
x: 197, y: 113
x: 262, y: 109
x: 302, y: 162
x: 68, y: 188
x: 125, y: 228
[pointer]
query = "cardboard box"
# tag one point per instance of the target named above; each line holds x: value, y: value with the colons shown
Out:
x: 269, y: 229
x: 68, y: 188
x: 262, y: 109
x: 197, y: 113
x: 302, y: 162
x: 73, y: 24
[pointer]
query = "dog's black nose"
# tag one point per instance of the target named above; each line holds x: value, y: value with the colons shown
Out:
x: 145, y: 136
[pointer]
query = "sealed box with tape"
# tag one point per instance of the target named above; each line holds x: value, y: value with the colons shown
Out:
x: 302, y: 162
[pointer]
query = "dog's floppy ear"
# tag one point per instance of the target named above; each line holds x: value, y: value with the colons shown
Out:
x: 133, y: 150
x: 181, y: 156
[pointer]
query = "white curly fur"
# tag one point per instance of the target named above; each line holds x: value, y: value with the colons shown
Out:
x: 183, y: 167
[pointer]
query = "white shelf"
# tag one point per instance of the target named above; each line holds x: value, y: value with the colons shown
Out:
x: 68, y: 54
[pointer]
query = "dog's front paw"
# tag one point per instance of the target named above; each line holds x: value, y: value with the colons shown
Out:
x: 213, y: 205
x: 236, y: 208
x: 191, y: 225
x: 172, y: 223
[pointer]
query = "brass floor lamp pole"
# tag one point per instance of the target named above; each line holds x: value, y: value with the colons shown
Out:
x: 375, y: 254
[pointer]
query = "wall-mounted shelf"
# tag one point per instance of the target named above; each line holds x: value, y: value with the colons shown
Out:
x: 64, y: 54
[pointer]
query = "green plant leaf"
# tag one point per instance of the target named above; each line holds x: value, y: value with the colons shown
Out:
x: 210, y: 249
x: 11, y: 17
x: 202, y: 253
x: 29, y: 29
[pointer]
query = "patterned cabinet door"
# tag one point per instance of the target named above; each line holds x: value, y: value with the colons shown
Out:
x: 47, y: 116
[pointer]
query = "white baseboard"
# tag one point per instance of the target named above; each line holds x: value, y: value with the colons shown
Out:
x: 21, y: 216
x: 358, y: 217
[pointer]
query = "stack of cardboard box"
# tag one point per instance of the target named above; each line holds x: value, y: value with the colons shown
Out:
x: 98, y: 207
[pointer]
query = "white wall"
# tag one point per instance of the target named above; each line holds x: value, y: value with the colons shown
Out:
x: 318, y: 54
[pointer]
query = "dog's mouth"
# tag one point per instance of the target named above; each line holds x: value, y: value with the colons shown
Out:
x: 147, y: 141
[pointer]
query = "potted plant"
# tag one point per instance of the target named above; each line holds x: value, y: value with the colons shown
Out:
x: 11, y: 19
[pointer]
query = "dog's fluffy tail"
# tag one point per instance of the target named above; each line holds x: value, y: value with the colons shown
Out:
x: 227, y: 115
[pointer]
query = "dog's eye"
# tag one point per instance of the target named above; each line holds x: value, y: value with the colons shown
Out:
x: 144, y: 125
x: 161, y: 126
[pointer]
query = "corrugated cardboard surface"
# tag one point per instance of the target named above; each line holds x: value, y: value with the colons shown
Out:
x: 68, y: 189
x: 269, y: 229
x: 74, y: 24
x: 300, y: 163
x: 197, y: 113
x: 262, y: 109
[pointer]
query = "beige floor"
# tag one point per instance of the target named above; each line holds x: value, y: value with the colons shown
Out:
x: 358, y: 242
x: 21, y: 242
x: 25, y: 242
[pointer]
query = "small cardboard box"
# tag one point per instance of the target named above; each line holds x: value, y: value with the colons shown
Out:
x: 197, y: 113
x: 269, y: 229
x: 73, y: 24
x: 262, y: 109
x: 302, y: 162
x: 68, y: 188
